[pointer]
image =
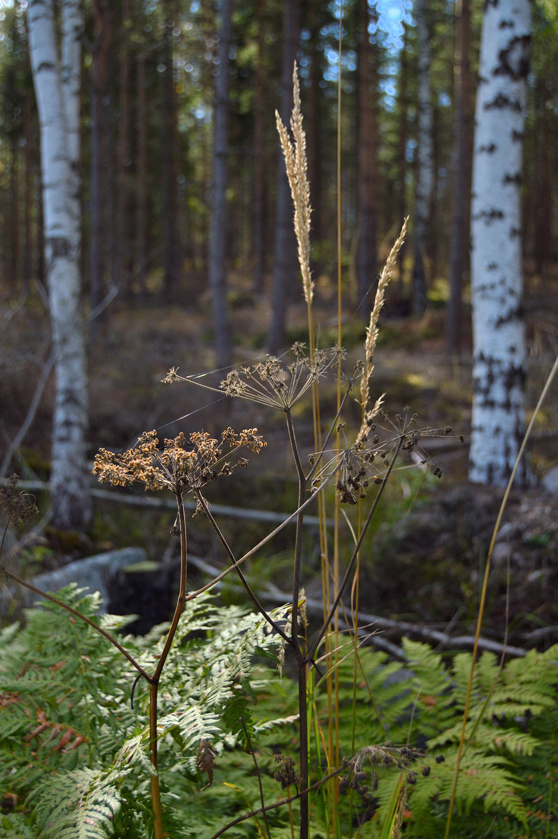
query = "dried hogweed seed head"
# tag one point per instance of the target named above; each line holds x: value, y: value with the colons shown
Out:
x: 17, y: 505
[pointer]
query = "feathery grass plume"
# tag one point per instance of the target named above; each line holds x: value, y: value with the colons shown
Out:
x: 368, y: 413
x: 294, y: 152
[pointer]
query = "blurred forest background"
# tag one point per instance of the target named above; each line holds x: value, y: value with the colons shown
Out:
x: 152, y: 76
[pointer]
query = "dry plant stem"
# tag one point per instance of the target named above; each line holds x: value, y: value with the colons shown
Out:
x: 154, y: 689
x: 75, y: 612
x: 357, y: 548
x: 264, y: 541
x: 243, y: 579
x: 485, y: 586
x: 258, y: 773
x: 300, y: 658
x: 277, y: 804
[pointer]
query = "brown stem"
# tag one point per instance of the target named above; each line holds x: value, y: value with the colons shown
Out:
x: 243, y: 579
x: 153, y: 693
x: 154, y: 780
x: 75, y: 612
x: 330, y: 432
x: 355, y: 553
x: 280, y: 803
x: 182, y: 592
x: 301, y: 662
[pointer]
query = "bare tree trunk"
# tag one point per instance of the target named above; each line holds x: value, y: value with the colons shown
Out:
x: 425, y: 164
x: 172, y: 259
x: 368, y: 168
x: 15, y: 249
x: 461, y: 204
x: 28, y: 246
x: 259, y: 154
x: 496, y: 269
x: 103, y: 32
x: 403, y: 96
x: 141, y: 217
x: 218, y: 238
x: 57, y: 91
x: 284, y: 262
x: 121, y: 240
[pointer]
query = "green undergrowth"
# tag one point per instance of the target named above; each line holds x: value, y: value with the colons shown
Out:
x: 74, y: 753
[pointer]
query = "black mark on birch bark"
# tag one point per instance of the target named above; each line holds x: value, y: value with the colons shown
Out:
x: 502, y: 102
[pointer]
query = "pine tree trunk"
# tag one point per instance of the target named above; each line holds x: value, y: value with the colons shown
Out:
x: 284, y: 260
x: 15, y: 249
x: 425, y: 161
x: 141, y: 208
x: 28, y: 247
x: 403, y: 96
x: 120, y: 272
x: 172, y: 260
x: 496, y: 269
x: 461, y: 202
x: 368, y: 169
x: 218, y: 238
x: 259, y: 154
x: 103, y: 31
x: 57, y: 91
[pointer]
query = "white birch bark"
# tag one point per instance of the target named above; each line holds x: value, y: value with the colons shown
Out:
x: 496, y: 270
x: 425, y: 158
x: 56, y: 82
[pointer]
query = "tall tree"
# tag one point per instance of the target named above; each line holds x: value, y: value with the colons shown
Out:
x: 218, y: 239
x: 103, y: 18
x: 284, y: 259
x: 461, y: 203
x: 367, y: 161
x: 403, y: 136
x: 496, y: 269
x: 259, y: 154
x: 424, y: 159
x: 173, y: 258
x: 141, y: 203
x: 57, y: 81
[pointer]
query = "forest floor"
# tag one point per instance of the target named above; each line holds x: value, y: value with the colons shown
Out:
x: 426, y: 554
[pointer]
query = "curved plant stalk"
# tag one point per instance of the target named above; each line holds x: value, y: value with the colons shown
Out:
x: 485, y: 586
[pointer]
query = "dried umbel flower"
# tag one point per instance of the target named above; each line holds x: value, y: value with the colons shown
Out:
x: 273, y: 384
x: 363, y: 766
x: 181, y: 465
x: 286, y: 772
x: 17, y: 505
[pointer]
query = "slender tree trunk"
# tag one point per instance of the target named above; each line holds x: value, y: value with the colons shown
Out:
x: 103, y: 31
x: 313, y: 132
x: 402, y: 149
x: 141, y: 217
x: 172, y: 259
x: 121, y: 240
x: 28, y: 246
x: 496, y: 269
x: 15, y: 249
x: 259, y: 155
x: 542, y: 210
x: 425, y: 164
x: 218, y: 238
x: 461, y: 202
x: 57, y: 91
x: 284, y: 262
x: 368, y: 168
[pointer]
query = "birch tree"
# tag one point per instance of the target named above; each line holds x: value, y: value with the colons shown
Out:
x: 425, y: 159
x: 56, y: 76
x: 496, y: 273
